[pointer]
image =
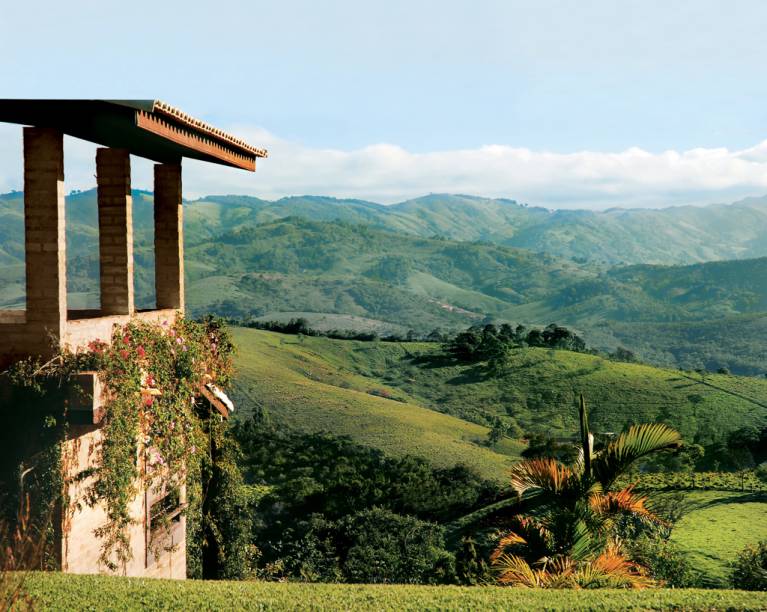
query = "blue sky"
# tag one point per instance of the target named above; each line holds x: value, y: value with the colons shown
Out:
x: 566, y: 103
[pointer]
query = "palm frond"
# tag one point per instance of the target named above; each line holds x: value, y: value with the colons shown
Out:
x: 508, y: 539
x: 585, y: 541
x: 515, y: 571
x: 623, y: 501
x: 496, y: 514
x: 528, y: 534
x: 612, y: 569
x: 545, y: 473
x: 637, y: 442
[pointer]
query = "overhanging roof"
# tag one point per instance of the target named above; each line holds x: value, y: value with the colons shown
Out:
x: 147, y: 128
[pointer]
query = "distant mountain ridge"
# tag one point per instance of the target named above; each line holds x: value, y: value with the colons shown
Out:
x: 676, y: 235
x: 394, y: 267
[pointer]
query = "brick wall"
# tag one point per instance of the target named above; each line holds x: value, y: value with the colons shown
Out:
x: 168, y: 236
x: 115, y: 230
x: 45, y: 238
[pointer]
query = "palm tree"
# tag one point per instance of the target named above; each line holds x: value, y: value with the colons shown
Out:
x: 559, y: 530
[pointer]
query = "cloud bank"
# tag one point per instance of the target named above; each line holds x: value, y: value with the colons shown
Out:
x: 388, y: 173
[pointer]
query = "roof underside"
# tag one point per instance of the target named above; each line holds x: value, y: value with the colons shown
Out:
x: 147, y: 128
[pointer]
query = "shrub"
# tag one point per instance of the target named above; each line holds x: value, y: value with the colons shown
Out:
x: 750, y: 568
x: 385, y: 547
x: 470, y: 565
x: 664, y: 562
x: 372, y: 546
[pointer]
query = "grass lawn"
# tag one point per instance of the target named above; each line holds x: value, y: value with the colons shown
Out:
x: 53, y: 591
x: 719, y: 526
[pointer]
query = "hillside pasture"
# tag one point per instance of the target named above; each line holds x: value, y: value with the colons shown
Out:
x: 303, y: 389
x: 717, y: 527
x: 537, y: 388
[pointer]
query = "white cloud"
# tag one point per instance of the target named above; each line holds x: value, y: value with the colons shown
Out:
x: 388, y: 173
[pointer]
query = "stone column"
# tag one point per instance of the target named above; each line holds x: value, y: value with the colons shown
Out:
x: 115, y: 231
x: 44, y: 236
x: 168, y: 236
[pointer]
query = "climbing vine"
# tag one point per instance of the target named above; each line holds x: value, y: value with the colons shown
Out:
x: 154, y: 433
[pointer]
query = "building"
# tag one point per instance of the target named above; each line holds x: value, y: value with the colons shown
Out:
x: 144, y: 128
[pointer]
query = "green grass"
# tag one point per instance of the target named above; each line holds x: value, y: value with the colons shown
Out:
x: 67, y: 592
x: 304, y: 387
x: 537, y: 390
x: 718, y: 527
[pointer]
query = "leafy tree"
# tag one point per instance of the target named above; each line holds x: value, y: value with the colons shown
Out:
x: 498, y: 430
x: 316, y: 483
x: 222, y: 547
x: 623, y: 354
x: 435, y: 335
x: 490, y: 343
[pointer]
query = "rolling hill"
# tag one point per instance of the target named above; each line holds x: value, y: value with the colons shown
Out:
x: 408, y: 398
x: 305, y: 389
x: 702, y: 315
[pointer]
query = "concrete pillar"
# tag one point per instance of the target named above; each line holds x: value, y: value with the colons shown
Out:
x: 45, y: 236
x: 168, y: 236
x: 115, y: 231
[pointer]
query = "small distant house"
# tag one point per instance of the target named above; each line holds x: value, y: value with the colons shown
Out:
x: 155, y: 131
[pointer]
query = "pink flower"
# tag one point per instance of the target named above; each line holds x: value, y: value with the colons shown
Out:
x: 179, y: 340
x: 140, y: 351
x: 148, y: 400
x: 124, y: 354
x: 126, y: 339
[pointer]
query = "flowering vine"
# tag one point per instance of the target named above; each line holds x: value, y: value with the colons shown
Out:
x: 152, y: 426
